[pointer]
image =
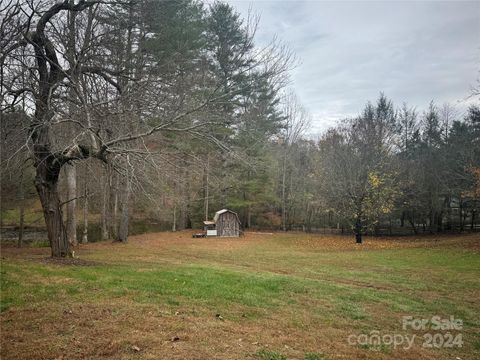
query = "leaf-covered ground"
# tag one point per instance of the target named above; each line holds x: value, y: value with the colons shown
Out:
x: 262, y: 296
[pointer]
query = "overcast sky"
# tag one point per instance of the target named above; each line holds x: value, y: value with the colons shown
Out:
x: 414, y: 51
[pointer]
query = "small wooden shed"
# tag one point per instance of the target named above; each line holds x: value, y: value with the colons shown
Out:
x: 225, y: 224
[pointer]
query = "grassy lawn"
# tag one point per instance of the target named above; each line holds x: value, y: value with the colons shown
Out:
x: 281, y: 296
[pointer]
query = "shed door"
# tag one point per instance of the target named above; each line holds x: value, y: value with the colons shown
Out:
x: 229, y: 224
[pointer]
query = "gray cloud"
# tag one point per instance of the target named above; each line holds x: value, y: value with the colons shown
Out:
x: 351, y: 51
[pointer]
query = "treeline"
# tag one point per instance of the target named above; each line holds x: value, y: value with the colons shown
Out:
x: 395, y: 168
x: 163, y: 112
x: 117, y: 106
x: 389, y: 170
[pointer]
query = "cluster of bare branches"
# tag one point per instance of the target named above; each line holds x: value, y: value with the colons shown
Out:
x: 95, y: 81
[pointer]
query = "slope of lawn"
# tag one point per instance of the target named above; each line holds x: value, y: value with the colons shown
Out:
x: 263, y: 296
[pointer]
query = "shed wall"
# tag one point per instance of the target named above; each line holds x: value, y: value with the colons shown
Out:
x: 228, y: 225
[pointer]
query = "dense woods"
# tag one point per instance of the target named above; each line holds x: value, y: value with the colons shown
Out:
x: 160, y: 113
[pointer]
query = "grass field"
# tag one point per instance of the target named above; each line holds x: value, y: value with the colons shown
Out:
x: 280, y: 296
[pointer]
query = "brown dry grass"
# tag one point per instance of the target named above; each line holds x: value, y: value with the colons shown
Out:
x: 112, y: 331
x: 97, y: 327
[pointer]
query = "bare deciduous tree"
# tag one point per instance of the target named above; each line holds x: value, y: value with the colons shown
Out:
x: 93, y: 97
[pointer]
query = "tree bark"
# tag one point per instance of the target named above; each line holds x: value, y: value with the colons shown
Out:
x: 46, y: 183
x: 449, y: 213
x: 358, y: 231
x: 174, y: 223
x: 431, y: 221
x: 460, y: 212
x: 124, y: 219
x: 308, y: 222
x: 115, y: 190
x: 22, y: 210
x: 71, y: 224
x: 175, y: 199
x: 85, y: 212
x: 70, y: 169
x: 358, y: 220
x: 206, y: 186
x: 411, y: 219
x: 105, y: 196
x: 472, y: 223
x: 188, y: 219
x: 284, y: 193
x: 439, y: 221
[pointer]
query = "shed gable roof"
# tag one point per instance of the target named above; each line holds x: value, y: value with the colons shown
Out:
x: 223, y: 211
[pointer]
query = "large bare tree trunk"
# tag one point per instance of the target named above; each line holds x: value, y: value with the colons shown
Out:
x: 206, y: 186
x: 52, y: 213
x: 71, y: 169
x: 431, y: 221
x: 449, y: 213
x: 47, y: 168
x: 284, y: 191
x: 472, y: 222
x: 188, y: 219
x: 358, y: 231
x: 125, y: 218
x: 46, y: 183
x: 105, y: 196
x: 71, y: 224
x: 174, y: 224
x: 358, y: 225
x: 175, y: 201
x: 411, y: 219
x: 22, y: 210
x: 460, y: 212
x: 114, y: 188
x: 85, y: 211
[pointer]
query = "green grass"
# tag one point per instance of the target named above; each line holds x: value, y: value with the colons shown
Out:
x: 351, y: 290
x: 402, y: 284
x: 162, y: 285
x: 188, y: 284
x: 314, y: 356
x: 269, y: 355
